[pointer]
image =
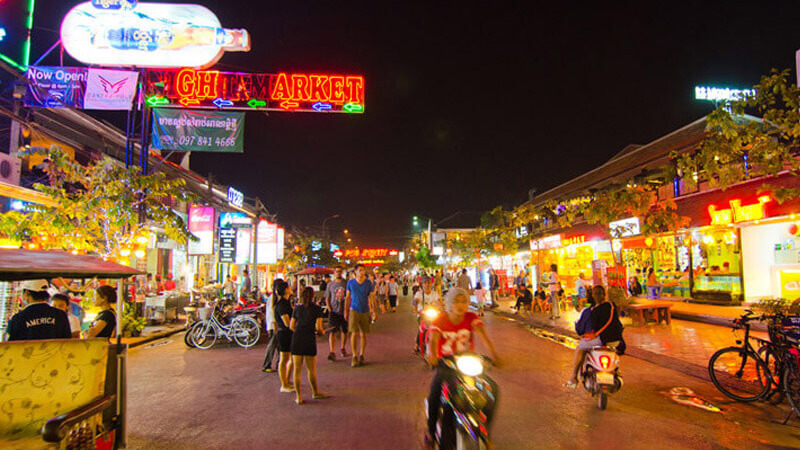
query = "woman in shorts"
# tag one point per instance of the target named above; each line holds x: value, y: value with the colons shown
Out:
x: 306, y: 323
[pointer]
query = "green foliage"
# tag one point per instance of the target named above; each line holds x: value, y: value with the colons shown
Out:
x: 425, y: 259
x: 767, y: 143
x: 132, y: 324
x: 98, y: 208
x: 300, y: 254
x: 771, y: 306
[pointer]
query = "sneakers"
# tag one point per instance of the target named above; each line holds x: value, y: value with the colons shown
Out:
x: 344, y: 353
x: 332, y: 356
x: 570, y: 384
x: 269, y: 370
x: 354, y: 362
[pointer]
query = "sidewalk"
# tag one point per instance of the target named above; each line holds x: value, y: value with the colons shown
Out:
x: 683, y: 345
x: 152, y: 333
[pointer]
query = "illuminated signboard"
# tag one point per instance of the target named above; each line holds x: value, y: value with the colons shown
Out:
x: 326, y: 93
x: 625, y: 227
x: 738, y: 213
x: 370, y: 253
x: 114, y: 33
x: 235, y: 197
x: 572, y: 240
x: 716, y: 94
x: 235, y: 220
x: 16, y: 21
x: 544, y: 243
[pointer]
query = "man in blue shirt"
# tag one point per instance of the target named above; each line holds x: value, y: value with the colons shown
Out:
x: 358, y: 308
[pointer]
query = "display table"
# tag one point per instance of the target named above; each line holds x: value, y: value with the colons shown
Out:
x: 651, y: 311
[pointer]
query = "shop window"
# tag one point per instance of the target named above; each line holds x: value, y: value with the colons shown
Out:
x: 715, y: 257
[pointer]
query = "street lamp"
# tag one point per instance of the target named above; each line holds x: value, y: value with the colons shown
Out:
x: 346, y: 231
x: 335, y: 216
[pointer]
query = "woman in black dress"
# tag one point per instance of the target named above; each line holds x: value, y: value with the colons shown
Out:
x: 105, y: 324
x: 283, y: 314
x: 306, y: 323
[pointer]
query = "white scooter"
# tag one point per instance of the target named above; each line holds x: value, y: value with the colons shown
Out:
x: 600, y: 373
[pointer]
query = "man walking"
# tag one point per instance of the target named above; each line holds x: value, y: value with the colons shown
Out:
x: 463, y: 281
x: 247, y: 286
x: 494, y: 286
x: 555, y: 286
x: 269, y: 317
x: 335, y: 293
x: 358, y: 309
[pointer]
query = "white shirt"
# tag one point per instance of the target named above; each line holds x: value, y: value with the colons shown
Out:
x: 431, y: 297
x: 270, y: 315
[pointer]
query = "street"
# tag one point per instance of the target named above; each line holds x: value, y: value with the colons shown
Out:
x: 182, y: 398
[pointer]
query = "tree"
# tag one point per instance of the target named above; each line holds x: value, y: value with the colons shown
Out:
x: 99, y: 208
x: 425, y: 259
x: 737, y: 147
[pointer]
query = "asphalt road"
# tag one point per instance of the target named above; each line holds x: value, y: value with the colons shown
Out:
x: 183, y: 398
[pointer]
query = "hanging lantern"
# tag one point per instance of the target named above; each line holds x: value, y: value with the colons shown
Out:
x: 793, y: 229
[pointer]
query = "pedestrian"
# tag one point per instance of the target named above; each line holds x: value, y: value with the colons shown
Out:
x: 391, y: 289
x: 358, y: 311
x: 555, y: 286
x: 463, y: 281
x: 272, y: 327
x: 335, y: 294
x: 228, y: 288
x: 306, y: 323
x: 653, y: 285
x: 480, y: 296
x: 37, y: 320
x: 169, y: 285
x: 382, y: 290
x: 580, y: 289
x: 283, y: 315
x: 105, y: 323
x: 61, y: 301
x: 246, y: 285
x: 494, y: 286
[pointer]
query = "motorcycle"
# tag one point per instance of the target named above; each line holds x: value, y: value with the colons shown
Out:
x: 599, y: 374
x: 468, y: 402
x: 425, y: 318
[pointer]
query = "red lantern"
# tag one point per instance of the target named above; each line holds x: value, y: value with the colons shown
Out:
x: 793, y: 229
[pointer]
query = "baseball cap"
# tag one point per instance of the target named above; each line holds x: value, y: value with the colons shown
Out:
x: 35, y: 285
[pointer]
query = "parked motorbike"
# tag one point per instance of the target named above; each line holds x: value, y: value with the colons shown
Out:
x: 468, y: 402
x: 599, y: 374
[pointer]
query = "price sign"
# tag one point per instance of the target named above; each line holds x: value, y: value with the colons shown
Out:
x: 227, y: 244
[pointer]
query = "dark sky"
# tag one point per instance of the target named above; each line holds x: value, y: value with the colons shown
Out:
x: 471, y: 104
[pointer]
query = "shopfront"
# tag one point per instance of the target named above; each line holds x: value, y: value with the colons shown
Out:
x: 572, y: 253
x: 771, y: 259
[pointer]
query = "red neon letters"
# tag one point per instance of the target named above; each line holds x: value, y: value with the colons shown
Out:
x: 318, y: 88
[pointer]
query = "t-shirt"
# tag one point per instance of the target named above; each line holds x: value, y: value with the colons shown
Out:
x: 110, y: 319
x: 335, y: 293
x: 580, y: 286
x: 246, y: 285
x: 392, y: 288
x: 359, y: 295
x: 424, y: 299
x: 463, y: 282
x: 600, y: 316
x: 38, y: 321
x: 455, y: 338
x: 169, y: 285
x: 282, y: 308
x: 270, y: 313
x: 526, y: 295
x: 306, y: 318
x: 554, y: 283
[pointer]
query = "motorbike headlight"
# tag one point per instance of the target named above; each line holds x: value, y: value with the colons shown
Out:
x: 431, y: 313
x: 469, y: 365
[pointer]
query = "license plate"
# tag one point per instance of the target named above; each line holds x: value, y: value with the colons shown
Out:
x: 605, y: 378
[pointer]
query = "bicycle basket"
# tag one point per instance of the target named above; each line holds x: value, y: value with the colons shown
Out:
x: 205, y: 313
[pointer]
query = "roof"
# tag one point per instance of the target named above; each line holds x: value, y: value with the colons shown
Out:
x: 20, y: 264
x: 629, y: 162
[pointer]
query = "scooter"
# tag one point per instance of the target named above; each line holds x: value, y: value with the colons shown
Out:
x: 468, y: 402
x: 599, y: 374
x: 425, y: 318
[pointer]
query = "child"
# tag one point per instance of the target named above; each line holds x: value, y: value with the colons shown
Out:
x: 480, y: 297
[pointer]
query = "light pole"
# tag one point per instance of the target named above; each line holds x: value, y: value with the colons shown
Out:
x: 335, y: 216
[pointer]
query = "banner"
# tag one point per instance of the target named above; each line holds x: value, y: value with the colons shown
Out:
x: 201, y: 224
x: 198, y: 131
x: 110, y: 89
x: 80, y: 88
x: 227, y: 245
x: 267, y: 243
x: 281, y: 237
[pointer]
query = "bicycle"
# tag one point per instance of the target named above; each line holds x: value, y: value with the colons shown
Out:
x: 243, y: 330
x: 740, y: 372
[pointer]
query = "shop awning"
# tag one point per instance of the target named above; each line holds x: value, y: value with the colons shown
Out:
x: 19, y: 264
x: 315, y: 271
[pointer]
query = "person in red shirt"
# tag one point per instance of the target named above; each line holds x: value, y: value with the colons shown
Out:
x: 169, y: 285
x: 451, y: 333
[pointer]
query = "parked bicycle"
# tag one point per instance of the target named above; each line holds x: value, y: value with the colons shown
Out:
x: 772, y: 372
x: 242, y: 329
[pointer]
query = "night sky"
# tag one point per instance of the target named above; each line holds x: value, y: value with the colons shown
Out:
x: 471, y: 104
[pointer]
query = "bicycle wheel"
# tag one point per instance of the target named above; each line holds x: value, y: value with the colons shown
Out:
x: 739, y: 374
x: 204, y: 335
x: 775, y: 366
x: 188, y: 336
x: 791, y: 385
x: 246, y: 332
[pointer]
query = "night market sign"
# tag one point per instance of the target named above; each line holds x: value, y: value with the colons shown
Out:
x: 365, y: 253
x: 738, y: 212
x: 212, y: 89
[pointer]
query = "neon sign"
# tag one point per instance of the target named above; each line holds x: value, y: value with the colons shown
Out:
x: 738, y: 213
x: 235, y: 197
x: 16, y: 21
x: 370, y: 253
x: 127, y: 33
x: 718, y: 94
x: 328, y: 93
x: 580, y: 239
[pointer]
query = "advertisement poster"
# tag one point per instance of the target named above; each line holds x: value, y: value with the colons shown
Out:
x: 790, y: 283
x: 80, y: 88
x: 198, y: 130
x: 148, y: 35
x: 267, y: 243
x: 227, y: 245
x: 242, y: 246
x: 201, y: 225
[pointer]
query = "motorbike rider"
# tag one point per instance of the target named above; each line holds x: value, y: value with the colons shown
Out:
x: 425, y: 297
x: 603, y: 318
x: 451, y: 334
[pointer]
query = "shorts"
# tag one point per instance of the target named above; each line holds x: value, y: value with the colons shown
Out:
x: 393, y: 301
x: 336, y: 323
x: 284, y: 341
x: 359, y: 322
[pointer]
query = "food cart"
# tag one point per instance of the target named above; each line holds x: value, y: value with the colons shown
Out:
x: 62, y: 393
x: 312, y: 275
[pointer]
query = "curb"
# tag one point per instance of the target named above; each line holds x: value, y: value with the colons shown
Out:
x: 668, y: 362
x: 155, y: 337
